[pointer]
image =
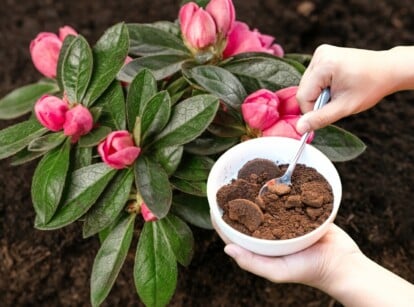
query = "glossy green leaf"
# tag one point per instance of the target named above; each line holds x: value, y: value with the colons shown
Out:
x: 193, y: 209
x: 177, y: 88
x: 47, y: 142
x: 49, y: 180
x: 227, y: 125
x: 197, y: 188
x: 16, y: 137
x: 219, y: 82
x: 21, y: 100
x: 201, y: 3
x: 81, y: 157
x: 179, y: 236
x: 169, y: 157
x: 167, y: 26
x: 62, y: 55
x: 272, y: 73
x: 155, y: 115
x: 24, y: 156
x: 112, y: 102
x: 161, y: 66
x: 109, y: 55
x: 109, y: 204
x: 141, y: 89
x: 77, y: 69
x: 302, y: 58
x: 153, y: 184
x: 188, y: 120
x: 194, y: 168
x: 155, y: 269
x: 338, y: 144
x: 94, y: 137
x: 85, y: 187
x: 110, y: 258
x: 210, y: 145
x: 149, y: 40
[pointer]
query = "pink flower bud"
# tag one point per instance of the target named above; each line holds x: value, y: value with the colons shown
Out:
x: 241, y: 39
x: 286, y: 127
x: 223, y: 14
x: 288, y: 103
x: 197, y: 26
x: 260, y: 109
x: 51, y: 111
x: 147, y: 214
x: 118, y: 149
x: 78, y: 122
x: 45, y: 49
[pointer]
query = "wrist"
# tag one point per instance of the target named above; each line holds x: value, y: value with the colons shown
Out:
x: 400, y: 61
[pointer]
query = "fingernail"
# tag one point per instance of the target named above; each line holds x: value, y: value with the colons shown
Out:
x: 302, y: 126
x: 231, y: 250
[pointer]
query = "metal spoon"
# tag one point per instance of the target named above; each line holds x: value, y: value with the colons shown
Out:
x: 286, y: 177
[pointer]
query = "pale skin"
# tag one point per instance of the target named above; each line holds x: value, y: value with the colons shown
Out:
x: 358, y: 80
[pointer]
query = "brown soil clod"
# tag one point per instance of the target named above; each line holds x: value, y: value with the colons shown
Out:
x: 245, y: 212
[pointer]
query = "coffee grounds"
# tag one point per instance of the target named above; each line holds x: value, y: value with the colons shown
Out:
x: 283, y: 212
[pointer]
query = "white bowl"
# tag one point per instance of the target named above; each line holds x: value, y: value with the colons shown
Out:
x: 279, y: 150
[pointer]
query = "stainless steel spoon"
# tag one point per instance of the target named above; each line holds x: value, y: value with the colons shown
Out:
x: 286, y: 177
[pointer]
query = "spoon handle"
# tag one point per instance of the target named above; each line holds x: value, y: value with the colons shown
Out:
x: 320, y: 102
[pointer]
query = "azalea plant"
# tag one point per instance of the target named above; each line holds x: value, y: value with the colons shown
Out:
x: 126, y: 131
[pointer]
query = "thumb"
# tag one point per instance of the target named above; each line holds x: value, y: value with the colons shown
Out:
x: 317, y: 119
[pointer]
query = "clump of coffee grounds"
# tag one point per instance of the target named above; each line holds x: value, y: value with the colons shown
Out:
x: 283, y: 212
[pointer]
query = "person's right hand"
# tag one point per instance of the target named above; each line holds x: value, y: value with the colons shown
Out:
x: 357, y: 78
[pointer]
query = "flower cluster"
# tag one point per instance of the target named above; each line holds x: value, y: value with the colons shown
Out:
x: 128, y: 129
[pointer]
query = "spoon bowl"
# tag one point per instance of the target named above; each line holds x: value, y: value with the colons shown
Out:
x: 285, y: 179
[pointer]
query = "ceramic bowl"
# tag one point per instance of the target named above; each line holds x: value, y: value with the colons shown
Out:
x: 279, y: 150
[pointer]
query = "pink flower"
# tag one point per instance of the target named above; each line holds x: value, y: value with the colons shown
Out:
x: 45, y: 49
x: 51, y: 112
x: 147, y: 214
x: 260, y: 109
x: 223, y: 14
x: 197, y: 26
x: 78, y: 122
x: 118, y: 149
x: 273, y: 114
x: 241, y: 39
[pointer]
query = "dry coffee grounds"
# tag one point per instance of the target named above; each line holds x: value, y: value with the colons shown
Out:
x: 283, y: 212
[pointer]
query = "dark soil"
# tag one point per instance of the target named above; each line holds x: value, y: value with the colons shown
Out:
x: 52, y: 268
x: 282, y: 211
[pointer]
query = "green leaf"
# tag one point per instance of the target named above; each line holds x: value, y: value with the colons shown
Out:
x: 141, y: 89
x: 15, y: 138
x: 188, y: 120
x: 161, y: 65
x: 110, y: 204
x: 302, y: 58
x: 47, y: 142
x: 225, y: 124
x: 167, y: 26
x: 220, y: 82
x: 338, y: 144
x: 179, y: 237
x: 109, y: 55
x: 49, y: 180
x: 62, y: 54
x: 24, y: 156
x: 82, y: 156
x: 150, y: 40
x: 258, y: 72
x: 110, y: 258
x: 155, y: 269
x: 194, y: 168
x: 77, y: 69
x: 21, y: 100
x: 94, y: 137
x: 169, y: 157
x: 155, y: 115
x: 177, y: 88
x: 192, y: 209
x: 112, y: 102
x: 210, y: 145
x: 153, y: 184
x: 86, y: 185
x: 197, y: 188
x: 201, y: 3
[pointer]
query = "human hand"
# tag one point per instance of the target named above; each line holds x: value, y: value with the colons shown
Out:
x: 357, y: 78
x: 315, y: 266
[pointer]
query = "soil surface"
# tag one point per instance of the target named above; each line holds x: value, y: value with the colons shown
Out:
x: 283, y: 211
x: 53, y: 268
